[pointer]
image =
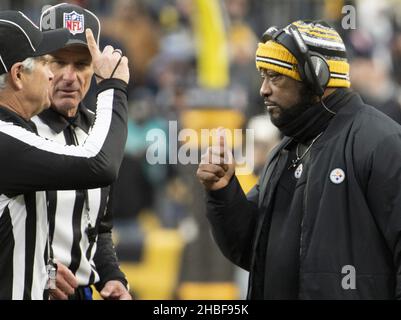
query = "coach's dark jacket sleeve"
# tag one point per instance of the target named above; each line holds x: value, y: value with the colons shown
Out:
x: 33, y: 163
x: 233, y: 217
x: 105, y: 256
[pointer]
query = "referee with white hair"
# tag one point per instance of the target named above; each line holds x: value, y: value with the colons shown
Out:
x: 32, y: 164
x: 80, y: 221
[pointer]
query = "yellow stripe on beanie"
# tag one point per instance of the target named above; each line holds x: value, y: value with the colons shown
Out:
x: 338, y: 68
x: 274, y: 56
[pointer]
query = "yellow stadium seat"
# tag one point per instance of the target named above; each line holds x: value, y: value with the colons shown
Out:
x: 247, y: 182
x: 198, y: 119
x: 208, y: 291
x: 157, y: 275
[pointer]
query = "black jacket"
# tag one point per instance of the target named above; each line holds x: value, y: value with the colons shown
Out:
x: 354, y: 223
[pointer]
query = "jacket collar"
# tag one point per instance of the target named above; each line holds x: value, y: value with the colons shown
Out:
x: 346, y: 98
x: 8, y: 115
x: 57, y: 122
x: 352, y: 104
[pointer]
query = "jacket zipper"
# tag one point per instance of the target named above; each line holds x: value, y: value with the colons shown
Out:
x: 304, y: 206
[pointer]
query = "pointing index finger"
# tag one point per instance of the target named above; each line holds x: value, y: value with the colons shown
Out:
x: 221, y: 134
x: 92, y: 45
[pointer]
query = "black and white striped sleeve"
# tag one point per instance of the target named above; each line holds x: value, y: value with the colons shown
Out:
x: 33, y: 163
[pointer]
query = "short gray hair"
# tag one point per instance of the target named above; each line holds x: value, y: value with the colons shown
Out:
x: 28, y: 64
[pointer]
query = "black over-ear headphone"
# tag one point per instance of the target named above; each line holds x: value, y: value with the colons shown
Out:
x: 312, y: 66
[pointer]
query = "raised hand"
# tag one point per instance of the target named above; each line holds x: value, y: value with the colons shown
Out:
x: 107, y: 64
x: 217, y: 164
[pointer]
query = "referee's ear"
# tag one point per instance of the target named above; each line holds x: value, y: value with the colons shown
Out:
x: 15, y: 76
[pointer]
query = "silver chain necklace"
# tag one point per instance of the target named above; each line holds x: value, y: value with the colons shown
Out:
x: 300, y: 157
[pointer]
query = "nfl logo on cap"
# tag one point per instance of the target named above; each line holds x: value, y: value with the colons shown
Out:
x: 73, y: 18
x: 74, y: 22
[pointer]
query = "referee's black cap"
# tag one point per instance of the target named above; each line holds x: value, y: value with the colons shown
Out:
x: 20, y: 38
x: 72, y: 17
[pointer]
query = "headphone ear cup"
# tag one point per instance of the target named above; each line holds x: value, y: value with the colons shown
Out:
x: 320, y: 68
x: 269, y: 34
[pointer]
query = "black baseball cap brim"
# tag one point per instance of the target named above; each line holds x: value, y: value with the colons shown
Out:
x: 52, y: 41
x: 73, y: 42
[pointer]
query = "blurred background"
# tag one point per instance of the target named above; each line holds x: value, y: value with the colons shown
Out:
x: 192, y: 62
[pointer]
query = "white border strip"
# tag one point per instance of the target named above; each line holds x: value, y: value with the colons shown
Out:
x: 23, y: 31
x: 339, y: 75
x: 2, y: 62
x: 274, y: 61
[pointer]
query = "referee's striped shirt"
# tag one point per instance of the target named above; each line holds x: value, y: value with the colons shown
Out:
x: 70, y: 211
x: 31, y: 163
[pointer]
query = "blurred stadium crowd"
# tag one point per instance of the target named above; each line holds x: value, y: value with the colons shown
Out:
x: 161, y: 234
